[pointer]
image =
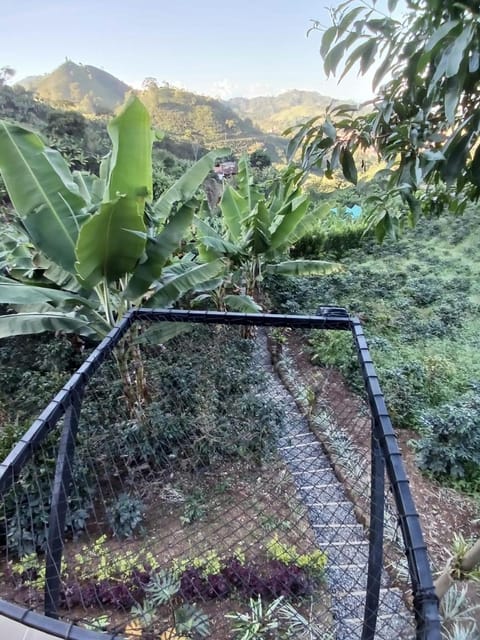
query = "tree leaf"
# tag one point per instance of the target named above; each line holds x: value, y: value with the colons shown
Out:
x: 158, y: 250
x: 457, y: 51
x: 130, y: 169
x: 242, y: 303
x: 348, y: 165
x: 17, y: 324
x: 106, y: 248
x: 13, y: 292
x: 174, y: 288
x: 291, y: 219
x: 185, y: 188
x: 327, y: 39
x: 440, y: 34
x: 43, y: 192
x: 235, y: 211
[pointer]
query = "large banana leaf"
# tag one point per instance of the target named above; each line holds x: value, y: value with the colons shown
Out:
x: 91, y: 187
x: 12, y: 292
x: 43, y: 192
x: 245, y: 183
x: 106, y: 247
x: 131, y: 160
x: 213, y: 241
x: 186, y: 281
x: 242, y: 303
x: 309, y: 221
x: 303, y: 268
x: 185, y: 188
x: 259, y: 224
x: 292, y: 216
x: 158, y: 250
x: 16, y: 324
x: 235, y: 210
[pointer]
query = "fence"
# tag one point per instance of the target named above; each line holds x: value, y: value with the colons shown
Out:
x: 206, y: 486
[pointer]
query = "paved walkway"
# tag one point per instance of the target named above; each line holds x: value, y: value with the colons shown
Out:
x: 337, y: 530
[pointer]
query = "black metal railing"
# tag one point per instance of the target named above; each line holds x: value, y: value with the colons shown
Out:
x: 386, y: 466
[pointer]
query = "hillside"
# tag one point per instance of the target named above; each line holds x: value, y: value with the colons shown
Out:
x: 198, y: 121
x: 273, y: 114
x: 204, y: 121
x: 89, y: 89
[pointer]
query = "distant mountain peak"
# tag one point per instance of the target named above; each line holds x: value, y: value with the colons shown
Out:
x: 86, y: 87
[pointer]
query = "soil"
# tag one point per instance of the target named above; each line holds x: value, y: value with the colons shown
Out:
x: 240, y: 507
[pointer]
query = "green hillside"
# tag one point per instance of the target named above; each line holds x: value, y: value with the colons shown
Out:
x: 204, y: 121
x: 89, y: 89
x: 197, y: 121
x: 273, y: 114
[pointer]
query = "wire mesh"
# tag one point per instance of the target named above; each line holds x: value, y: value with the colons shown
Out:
x: 217, y: 483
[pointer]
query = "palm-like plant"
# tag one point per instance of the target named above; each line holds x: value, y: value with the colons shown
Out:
x: 254, y: 234
x: 88, y: 248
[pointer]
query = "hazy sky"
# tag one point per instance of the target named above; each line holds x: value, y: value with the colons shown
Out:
x: 224, y: 48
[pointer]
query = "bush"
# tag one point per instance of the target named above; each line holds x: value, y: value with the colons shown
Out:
x: 125, y: 515
x: 450, y: 447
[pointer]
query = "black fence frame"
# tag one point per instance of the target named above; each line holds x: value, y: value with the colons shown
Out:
x: 386, y: 457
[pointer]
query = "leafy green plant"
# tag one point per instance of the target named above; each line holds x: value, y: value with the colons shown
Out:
x: 161, y: 590
x: 314, y: 562
x: 260, y: 622
x: 450, y: 446
x: 101, y: 246
x: 255, y: 231
x: 125, y: 515
x: 194, y: 507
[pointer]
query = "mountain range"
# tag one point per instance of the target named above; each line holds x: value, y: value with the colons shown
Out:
x: 206, y: 121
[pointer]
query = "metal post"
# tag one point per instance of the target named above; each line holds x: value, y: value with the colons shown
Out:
x: 375, y: 550
x: 58, y: 508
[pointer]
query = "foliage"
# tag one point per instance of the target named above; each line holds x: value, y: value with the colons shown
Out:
x: 254, y: 234
x: 450, y: 445
x: 125, y: 516
x: 194, y: 508
x: 314, y: 562
x: 421, y: 331
x: 259, y: 159
x: 259, y: 623
x: 458, y: 615
x: 78, y: 228
x: 424, y: 122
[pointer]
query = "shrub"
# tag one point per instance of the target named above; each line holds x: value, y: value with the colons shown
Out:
x: 125, y: 515
x: 450, y: 447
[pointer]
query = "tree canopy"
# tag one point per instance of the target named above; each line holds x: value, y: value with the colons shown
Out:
x: 425, y: 119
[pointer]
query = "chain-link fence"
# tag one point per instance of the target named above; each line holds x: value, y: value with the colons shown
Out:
x: 198, y: 477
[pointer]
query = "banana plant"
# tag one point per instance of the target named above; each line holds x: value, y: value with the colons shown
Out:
x: 253, y: 236
x: 87, y: 248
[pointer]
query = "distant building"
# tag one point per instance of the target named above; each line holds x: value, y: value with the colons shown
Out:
x: 226, y: 169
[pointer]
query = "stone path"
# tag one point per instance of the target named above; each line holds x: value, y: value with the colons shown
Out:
x: 333, y: 520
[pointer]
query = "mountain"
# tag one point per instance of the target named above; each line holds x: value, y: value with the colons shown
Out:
x: 203, y: 120
x: 189, y: 120
x: 273, y: 114
x: 89, y: 89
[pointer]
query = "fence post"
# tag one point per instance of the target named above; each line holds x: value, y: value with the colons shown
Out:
x: 375, y: 550
x: 59, y: 504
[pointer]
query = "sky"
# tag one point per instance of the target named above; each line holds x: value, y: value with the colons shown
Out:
x: 220, y: 48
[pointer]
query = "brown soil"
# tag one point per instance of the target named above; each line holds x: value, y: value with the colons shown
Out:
x: 244, y: 507
x: 443, y: 511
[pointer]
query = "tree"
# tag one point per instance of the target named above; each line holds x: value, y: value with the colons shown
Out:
x: 260, y: 159
x: 425, y: 120
x: 253, y: 236
x: 89, y: 248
